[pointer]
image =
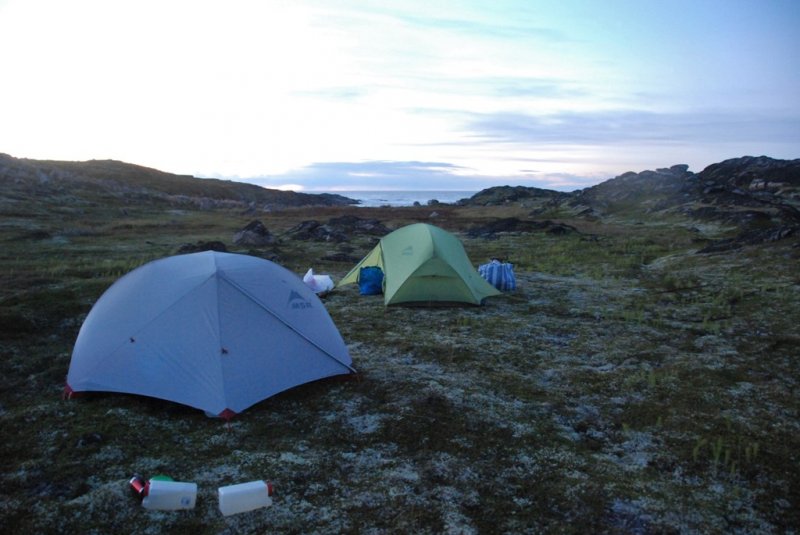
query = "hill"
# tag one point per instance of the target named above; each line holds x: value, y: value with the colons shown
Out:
x: 748, y: 199
x: 756, y: 182
x: 110, y: 181
x: 720, y: 191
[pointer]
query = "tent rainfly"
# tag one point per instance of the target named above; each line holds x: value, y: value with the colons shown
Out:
x: 215, y: 331
x: 424, y: 264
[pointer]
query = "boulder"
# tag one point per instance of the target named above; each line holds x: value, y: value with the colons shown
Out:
x: 514, y: 225
x: 356, y: 225
x: 254, y: 234
x: 314, y: 230
x: 200, y: 246
x: 338, y: 229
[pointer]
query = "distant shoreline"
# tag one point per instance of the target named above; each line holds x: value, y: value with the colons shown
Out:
x: 374, y: 199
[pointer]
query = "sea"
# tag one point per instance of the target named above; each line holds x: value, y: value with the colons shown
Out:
x: 404, y: 198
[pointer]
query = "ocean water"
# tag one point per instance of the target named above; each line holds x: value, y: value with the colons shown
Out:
x: 404, y: 198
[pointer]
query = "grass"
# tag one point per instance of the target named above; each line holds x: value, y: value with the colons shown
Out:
x: 628, y: 385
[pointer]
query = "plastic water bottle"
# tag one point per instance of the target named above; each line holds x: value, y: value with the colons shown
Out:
x: 169, y: 495
x: 244, y: 497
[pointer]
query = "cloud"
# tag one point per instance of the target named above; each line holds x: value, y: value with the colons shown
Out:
x: 369, y: 175
x: 632, y: 126
x: 413, y: 175
x: 509, y: 28
x: 533, y: 87
x: 504, y: 87
x: 335, y: 93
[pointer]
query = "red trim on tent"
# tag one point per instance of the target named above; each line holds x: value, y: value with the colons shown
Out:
x: 68, y: 392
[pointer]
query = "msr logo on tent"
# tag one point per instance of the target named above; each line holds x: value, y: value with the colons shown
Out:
x: 408, y: 251
x: 297, y: 301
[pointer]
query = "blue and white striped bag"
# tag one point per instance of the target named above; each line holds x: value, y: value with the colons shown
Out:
x: 499, y: 274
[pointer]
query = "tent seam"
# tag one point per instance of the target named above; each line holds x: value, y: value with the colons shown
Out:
x: 135, y: 334
x: 216, y: 275
x: 286, y: 323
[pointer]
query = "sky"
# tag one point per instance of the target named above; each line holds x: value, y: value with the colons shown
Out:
x: 316, y: 95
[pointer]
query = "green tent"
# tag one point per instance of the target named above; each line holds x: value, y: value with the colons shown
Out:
x: 424, y: 264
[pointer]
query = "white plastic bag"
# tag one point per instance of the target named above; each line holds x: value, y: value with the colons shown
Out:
x: 318, y: 283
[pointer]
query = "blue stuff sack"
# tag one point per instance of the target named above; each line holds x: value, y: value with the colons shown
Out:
x: 499, y: 274
x: 370, y: 280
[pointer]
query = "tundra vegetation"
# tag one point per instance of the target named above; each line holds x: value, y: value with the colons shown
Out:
x: 630, y: 384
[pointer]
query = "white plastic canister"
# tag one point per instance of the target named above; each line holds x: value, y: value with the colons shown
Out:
x: 169, y: 495
x: 244, y: 497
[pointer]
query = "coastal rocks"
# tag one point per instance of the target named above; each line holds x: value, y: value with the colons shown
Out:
x: 758, y: 195
x: 740, y: 218
x: 647, y: 190
x: 357, y: 225
x: 756, y: 174
x: 515, y: 225
x: 254, y: 234
x: 316, y: 231
x: 500, y: 195
x: 337, y: 229
x: 760, y: 182
x: 431, y: 202
x: 752, y: 237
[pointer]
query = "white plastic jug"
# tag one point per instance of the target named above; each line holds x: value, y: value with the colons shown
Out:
x: 169, y: 495
x: 244, y: 497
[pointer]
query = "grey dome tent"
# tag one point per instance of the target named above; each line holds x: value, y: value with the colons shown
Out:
x: 215, y: 331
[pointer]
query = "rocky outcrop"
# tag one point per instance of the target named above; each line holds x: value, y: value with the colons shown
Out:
x: 758, y: 197
x: 357, y: 225
x: 752, y: 237
x: 254, y: 234
x: 761, y: 176
x: 500, y: 195
x: 647, y: 191
x: 750, y: 184
x: 337, y: 229
x: 316, y: 231
x: 514, y: 225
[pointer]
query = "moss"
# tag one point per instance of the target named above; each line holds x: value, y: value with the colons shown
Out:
x: 604, y: 394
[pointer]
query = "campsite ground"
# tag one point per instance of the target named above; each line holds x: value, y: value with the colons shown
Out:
x: 629, y: 385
